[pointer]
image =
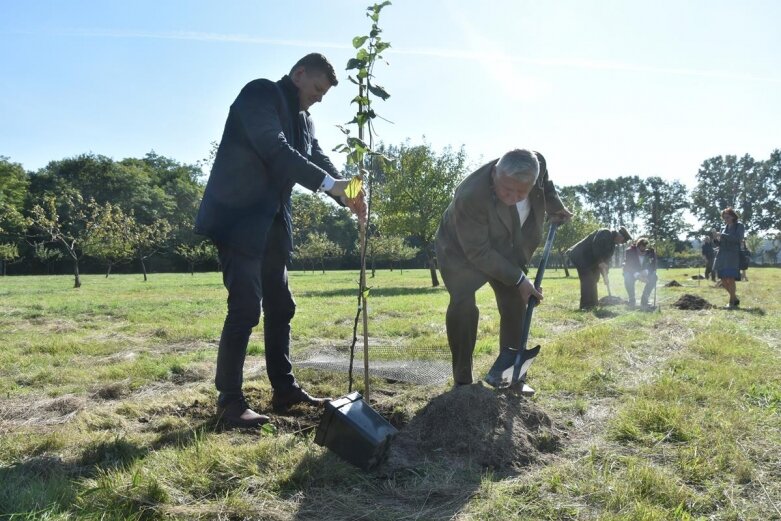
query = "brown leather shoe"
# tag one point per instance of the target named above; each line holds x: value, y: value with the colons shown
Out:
x: 237, y: 413
x: 282, y: 401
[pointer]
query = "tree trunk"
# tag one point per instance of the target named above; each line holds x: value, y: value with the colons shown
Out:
x: 192, y: 269
x: 433, y: 269
x: 108, y: 271
x: 3, y: 263
x: 77, y: 280
x: 143, y: 267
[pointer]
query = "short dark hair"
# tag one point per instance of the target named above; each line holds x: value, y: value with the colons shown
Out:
x: 317, y: 63
x: 729, y: 211
x: 642, y: 241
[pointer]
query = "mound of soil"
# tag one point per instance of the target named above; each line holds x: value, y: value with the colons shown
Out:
x: 672, y: 284
x: 692, y: 302
x: 611, y: 301
x: 473, y: 424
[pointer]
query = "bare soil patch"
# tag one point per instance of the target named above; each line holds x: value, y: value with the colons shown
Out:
x: 673, y: 284
x: 692, y: 302
x: 472, y: 424
x: 611, y: 300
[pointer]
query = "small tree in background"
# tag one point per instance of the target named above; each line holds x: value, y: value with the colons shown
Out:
x: 9, y: 252
x: 147, y: 239
x: 70, y: 231
x: 392, y: 249
x: 109, y: 237
x: 417, y: 188
x: 203, y: 251
x: 46, y: 255
x: 317, y: 249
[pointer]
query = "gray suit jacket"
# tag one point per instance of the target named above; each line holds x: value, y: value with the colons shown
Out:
x: 477, y: 230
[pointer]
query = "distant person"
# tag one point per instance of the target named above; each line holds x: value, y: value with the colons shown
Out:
x: 591, y: 256
x: 640, y: 265
x: 727, y: 263
x: 487, y: 235
x: 708, y: 255
x: 715, y: 241
x: 268, y: 146
x: 745, y: 259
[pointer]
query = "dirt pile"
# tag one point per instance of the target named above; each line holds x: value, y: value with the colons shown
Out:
x: 473, y: 424
x: 692, y: 302
x: 672, y: 284
x: 611, y: 300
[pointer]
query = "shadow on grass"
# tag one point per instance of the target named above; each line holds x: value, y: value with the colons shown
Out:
x: 376, y: 292
x: 330, y: 488
x: 47, y: 484
x: 751, y: 311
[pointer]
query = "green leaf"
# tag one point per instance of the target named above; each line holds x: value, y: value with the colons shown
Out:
x: 268, y: 428
x: 359, y: 40
x: 355, y: 157
x: 354, y: 63
x: 345, y: 131
x: 362, y: 55
x: 355, y: 142
x: 362, y: 74
x: 360, y: 100
x: 378, y: 91
x: 365, y: 294
x: 374, y: 16
x: 353, y: 188
x: 375, y: 31
x: 381, y: 47
x: 352, y: 80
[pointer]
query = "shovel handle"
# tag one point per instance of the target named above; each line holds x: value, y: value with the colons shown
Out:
x: 533, y: 303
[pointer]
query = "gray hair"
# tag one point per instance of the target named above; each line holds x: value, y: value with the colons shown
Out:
x: 521, y: 164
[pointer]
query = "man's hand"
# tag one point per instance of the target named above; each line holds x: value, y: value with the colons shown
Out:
x: 527, y: 290
x: 561, y: 217
x: 340, y: 185
x: 357, y: 205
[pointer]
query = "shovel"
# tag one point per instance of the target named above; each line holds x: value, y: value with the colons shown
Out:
x: 512, y: 365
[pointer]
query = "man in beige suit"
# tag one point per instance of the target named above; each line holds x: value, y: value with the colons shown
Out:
x: 487, y: 235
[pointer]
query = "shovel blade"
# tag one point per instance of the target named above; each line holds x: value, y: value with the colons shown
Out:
x: 501, y: 374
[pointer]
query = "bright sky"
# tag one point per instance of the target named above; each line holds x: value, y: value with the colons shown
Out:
x: 603, y: 88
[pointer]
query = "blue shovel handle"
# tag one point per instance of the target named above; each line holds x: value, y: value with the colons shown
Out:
x: 520, y: 357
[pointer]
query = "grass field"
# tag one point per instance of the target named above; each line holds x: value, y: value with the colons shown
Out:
x: 106, y: 405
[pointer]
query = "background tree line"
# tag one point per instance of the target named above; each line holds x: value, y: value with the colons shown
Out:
x: 93, y: 213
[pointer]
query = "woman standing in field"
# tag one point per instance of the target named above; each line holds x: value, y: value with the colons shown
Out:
x: 727, y: 262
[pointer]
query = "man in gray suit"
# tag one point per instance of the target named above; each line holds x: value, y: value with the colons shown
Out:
x: 487, y: 235
x: 591, y: 256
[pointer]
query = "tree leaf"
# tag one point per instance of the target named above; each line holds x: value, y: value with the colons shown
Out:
x: 354, y: 63
x: 359, y: 40
x: 378, y: 91
x: 353, y: 188
x: 355, y: 142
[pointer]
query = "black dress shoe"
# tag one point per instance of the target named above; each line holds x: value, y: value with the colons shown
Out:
x: 237, y: 413
x: 282, y: 401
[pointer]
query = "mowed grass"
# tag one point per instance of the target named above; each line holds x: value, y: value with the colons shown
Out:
x: 106, y: 405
